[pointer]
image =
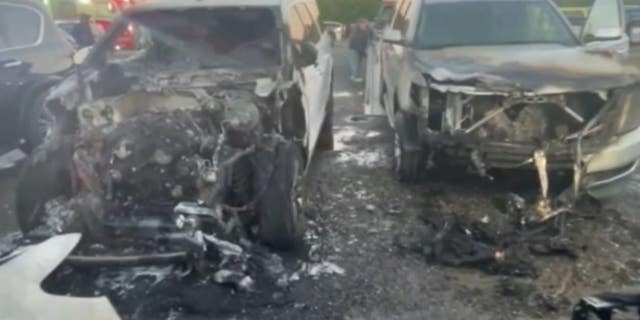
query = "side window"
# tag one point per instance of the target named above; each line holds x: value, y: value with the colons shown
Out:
x: 401, y: 21
x: 300, y: 26
x: 295, y: 26
x: 20, y: 26
x: 309, y: 16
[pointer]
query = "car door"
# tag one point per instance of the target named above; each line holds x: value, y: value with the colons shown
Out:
x: 313, y: 70
x: 29, y: 35
x: 393, y: 53
x: 604, y: 29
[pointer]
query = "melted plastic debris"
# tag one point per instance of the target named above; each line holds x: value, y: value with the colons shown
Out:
x: 365, y: 158
x: 343, y: 94
x: 60, y: 215
x: 238, y: 279
x: 344, y: 136
x: 315, y: 270
x: 10, y: 246
x: 124, y: 280
x: 11, y: 159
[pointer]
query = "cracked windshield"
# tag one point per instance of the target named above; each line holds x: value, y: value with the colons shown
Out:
x: 319, y: 159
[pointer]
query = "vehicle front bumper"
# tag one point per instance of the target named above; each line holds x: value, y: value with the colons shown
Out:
x: 608, y: 168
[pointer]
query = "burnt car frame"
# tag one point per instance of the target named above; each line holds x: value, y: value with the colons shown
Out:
x: 551, y: 104
x: 212, y: 121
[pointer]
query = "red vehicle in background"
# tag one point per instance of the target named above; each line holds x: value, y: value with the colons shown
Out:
x: 119, y: 5
x: 126, y: 41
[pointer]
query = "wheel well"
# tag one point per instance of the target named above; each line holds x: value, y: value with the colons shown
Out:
x: 293, y: 118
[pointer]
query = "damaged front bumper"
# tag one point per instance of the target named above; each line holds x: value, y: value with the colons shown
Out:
x: 596, y: 135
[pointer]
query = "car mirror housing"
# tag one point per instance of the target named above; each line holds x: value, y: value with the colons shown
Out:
x: 392, y: 36
x: 603, y: 34
x: 81, y: 55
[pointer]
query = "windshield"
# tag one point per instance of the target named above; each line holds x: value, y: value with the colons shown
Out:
x: 216, y: 38
x: 445, y: 24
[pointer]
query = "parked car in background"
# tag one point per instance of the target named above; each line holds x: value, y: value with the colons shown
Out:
x: 632, y: 14
x: 460, y: 88
x: 126, y: 41
x: 336, y: 28
x: 33, y: 55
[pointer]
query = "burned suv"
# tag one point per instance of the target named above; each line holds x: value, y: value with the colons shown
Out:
x: 506, y: 84
x: 208, y: 126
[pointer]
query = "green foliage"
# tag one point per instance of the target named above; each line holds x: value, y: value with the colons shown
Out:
x: 348, y: 11
x: 587, y: 3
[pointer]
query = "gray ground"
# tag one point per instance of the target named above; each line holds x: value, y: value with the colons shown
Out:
x: 358, y: 211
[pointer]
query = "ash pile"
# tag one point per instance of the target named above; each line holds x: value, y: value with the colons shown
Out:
x: 506, y: 241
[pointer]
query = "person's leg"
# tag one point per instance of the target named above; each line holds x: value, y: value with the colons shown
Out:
x: 354, y: 63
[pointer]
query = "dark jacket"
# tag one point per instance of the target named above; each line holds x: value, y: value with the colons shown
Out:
x: 83, y: 35
x: 359, y: 39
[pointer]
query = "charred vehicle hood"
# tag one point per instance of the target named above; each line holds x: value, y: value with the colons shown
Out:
x: 539, y: 69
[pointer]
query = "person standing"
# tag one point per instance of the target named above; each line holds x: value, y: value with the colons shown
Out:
x: 83, y: 33
x: 358, y: 41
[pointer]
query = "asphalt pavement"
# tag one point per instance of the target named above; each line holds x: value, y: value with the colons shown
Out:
x: 357, y: 212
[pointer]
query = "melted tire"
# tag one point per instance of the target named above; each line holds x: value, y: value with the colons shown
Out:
x: 408, y: 159
x: 279, y: 217
x: 45, y: 176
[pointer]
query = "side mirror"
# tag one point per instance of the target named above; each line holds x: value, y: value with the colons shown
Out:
x: 81, y: 55
x: 603, y: 34
x: 392, y: 36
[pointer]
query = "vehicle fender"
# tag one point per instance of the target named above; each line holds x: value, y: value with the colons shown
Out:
x: 625, y: 149
x: 408, y: 77
x: 31, y: 92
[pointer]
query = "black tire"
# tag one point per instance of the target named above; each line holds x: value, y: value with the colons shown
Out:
x: 279, y: 217
x: 326, y: 139
x: 45, y: 176
x: 408, y: 159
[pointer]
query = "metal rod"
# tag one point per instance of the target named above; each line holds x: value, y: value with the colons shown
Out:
x: 572, y: 113
x: 486, y: 118
x: 121, y: 261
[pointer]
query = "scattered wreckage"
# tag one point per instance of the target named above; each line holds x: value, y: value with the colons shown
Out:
x: 193, y: 147
x: 522, y: 99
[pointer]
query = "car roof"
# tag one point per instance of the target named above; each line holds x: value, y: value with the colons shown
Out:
x: 29, y: 3
x: 172, y: 4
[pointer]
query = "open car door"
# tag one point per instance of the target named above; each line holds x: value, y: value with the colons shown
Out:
x: 604, y: 29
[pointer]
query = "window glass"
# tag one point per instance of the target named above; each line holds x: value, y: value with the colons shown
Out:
x: 604, y: 17
x: 402, y: 19
x: 469, y: 23
x: 295, y: 25
x: 19, y: 26
x: 308, y: 18
x: 215, y: 38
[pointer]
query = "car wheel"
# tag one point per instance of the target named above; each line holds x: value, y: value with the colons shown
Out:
x: 326, y: 139
x: 278, y: 211
x: 45, y: 176
x: 408, y: 157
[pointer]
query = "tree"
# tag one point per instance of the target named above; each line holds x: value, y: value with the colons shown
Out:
x: 348, y: 11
